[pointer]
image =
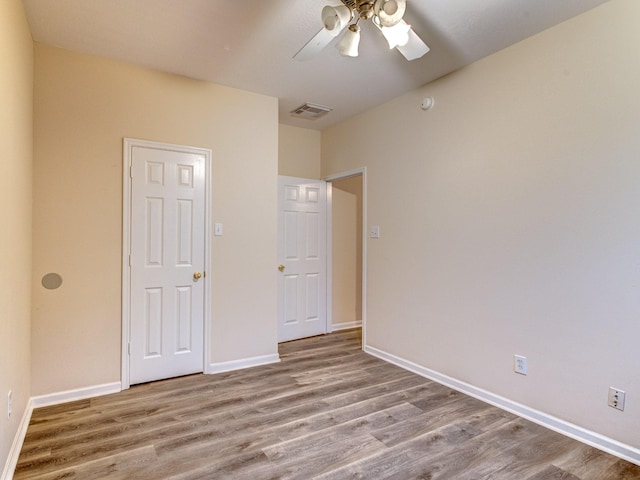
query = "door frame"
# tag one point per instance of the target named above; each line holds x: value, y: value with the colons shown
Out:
x: 128, y: 145
x: 362, y: 171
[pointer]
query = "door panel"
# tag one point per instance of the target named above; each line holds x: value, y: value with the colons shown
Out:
x: 302, y: 251
x: 167, y: 248
x: 153, y: 323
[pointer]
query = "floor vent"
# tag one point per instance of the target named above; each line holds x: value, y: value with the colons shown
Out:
x: 310, y: 111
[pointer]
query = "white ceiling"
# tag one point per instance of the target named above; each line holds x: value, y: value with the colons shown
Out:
x: 249, y: 44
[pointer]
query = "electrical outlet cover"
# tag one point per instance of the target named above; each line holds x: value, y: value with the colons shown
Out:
x: 520, y: 364
x: 616, y: 398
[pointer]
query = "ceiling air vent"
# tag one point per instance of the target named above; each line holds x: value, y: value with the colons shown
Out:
x: 310, y: 111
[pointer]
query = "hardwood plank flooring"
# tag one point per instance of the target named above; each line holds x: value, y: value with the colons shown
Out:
x: 327, y: 411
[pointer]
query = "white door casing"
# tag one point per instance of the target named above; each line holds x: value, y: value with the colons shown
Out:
x: 166, y: 248
x: 302, y: 240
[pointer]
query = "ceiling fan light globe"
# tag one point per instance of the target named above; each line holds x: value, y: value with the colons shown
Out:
x: 335, y: 19
x: 348, y: 46
x: 389, y: 12
x: 390, y: 7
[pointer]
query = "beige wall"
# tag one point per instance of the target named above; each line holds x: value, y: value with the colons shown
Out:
x: 84, y: 106
x: 298, y: 152
x: 344, y: 215
x: 510, y: 220
x: 16, y: 139
x: 347, y: 250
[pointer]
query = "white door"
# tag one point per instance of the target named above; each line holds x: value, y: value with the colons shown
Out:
x: 167, y: 262
x: 302, y: 240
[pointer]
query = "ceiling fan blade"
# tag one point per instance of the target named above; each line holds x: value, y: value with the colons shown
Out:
x: 395, y: 35
x: 315, y: 45
x: 414, y: 48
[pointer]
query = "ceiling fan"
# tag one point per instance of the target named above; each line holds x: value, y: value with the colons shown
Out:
x: 384, y: 14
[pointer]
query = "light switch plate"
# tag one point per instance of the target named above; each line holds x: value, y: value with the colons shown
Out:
x: 374, y: 232
x: 217, y: 229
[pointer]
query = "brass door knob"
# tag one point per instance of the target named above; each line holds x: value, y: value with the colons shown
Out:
x: 281, y: 268
x: 197, y: 276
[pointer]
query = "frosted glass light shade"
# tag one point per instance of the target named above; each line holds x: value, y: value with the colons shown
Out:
x: 389, y: 12
x: 348, y: 46
x: 335, y: 19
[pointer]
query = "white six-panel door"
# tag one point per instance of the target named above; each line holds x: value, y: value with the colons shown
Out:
x: 167, y: 259
x: 302, y: 281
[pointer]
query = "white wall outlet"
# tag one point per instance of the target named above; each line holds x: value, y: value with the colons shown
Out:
x: 9, y: 403
x: 616, y: 398
x: 374, y: 232
x: 520, y: 364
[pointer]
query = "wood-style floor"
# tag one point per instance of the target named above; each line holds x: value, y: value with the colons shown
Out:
x: 327, y: 411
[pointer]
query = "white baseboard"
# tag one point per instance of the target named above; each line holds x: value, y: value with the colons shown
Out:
x: 576, y: 432
x: 16, y: 446
x: 77, y: 394
x: 44, y: 401
x: 231, y: 365
x: 346, y: 325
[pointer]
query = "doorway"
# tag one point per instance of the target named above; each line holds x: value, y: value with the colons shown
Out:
x: 300, y: 306
x: 302, y: 257
x: 346, y: 263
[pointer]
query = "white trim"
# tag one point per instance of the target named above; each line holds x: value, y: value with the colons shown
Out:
x: 208, y: 272
x: 329, y: 179
x: 346, y: 325
x: 76, y: 394
x: 18, y: 441
x: 571, y: 430
x: 45, y: 401
x: 128, y: 144
x: 342, y: 175
x: 126, y: 249
x: 231, y: 365
x: 329, y: 258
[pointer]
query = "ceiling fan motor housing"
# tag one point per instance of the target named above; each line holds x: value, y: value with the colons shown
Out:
x: 388, y: 12
x: 362, y: 8
x: 365, y: 9
x: 352, y: 4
